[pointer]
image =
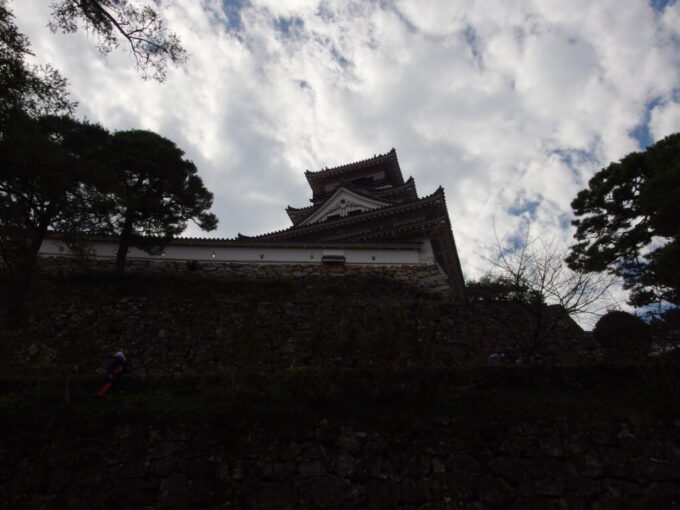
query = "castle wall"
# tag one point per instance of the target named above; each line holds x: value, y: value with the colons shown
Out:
x: 437, y: 464
x: 220, y: 316
x: 367, y: 255
x: 424, y: 277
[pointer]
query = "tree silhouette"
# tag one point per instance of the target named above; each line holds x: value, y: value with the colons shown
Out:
x: 156, y: 192
x: 47, y: 178
x: 629, y: 223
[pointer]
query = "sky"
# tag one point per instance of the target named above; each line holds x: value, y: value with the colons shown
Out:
x: 509, y: 105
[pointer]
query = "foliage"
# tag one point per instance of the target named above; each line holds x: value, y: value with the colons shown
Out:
x: 76, y: 177
x: 40, y: 179
x: 665, y: 327
x: 110, y: 21
x: 623, y: 335
x: 667, y: 322
x: 492, y: 287
x: 25, y: 90
x: 534, y: 276
x: 155, y: 193
x: 46, y: 181
x: 629, y: 223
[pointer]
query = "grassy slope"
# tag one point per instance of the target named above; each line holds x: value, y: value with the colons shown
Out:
x: 387, y: 397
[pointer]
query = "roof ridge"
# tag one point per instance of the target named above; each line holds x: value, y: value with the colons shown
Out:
x: 375, y: 157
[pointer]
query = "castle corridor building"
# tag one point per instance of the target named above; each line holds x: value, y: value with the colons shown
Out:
x: 362, y: 214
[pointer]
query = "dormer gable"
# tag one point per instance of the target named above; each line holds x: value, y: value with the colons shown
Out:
x: 344, y: 202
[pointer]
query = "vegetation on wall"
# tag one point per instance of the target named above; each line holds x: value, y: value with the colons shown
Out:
x: 532, y: 273
x: 623, y: 335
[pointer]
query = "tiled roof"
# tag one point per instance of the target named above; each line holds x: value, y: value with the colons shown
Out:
x: 438, y: 193
x: 388, y: 161
x: 405, y: 191
x: 241, y: 240
x: 297, y: 214
x: 377, y: 159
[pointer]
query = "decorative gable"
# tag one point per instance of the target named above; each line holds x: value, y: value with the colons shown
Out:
x: 343, y: 202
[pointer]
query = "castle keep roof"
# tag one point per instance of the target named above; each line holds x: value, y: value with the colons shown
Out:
x: 368, y: 201
x: 383, y: 169
x: 402, y: 193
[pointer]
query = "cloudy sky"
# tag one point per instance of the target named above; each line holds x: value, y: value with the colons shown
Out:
x: 509, y: 105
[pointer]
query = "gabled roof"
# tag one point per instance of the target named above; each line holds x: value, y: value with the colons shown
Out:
x: 404, y: 193
x: 336, y: 202
x: 437, y: 196
x: 387, y: 162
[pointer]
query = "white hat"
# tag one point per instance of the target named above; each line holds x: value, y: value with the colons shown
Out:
x: 119, y: 355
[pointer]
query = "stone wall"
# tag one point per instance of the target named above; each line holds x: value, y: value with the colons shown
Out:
x: 192, y: 322
x: 155, y: 447
x: 425, y: 277
x: 441, y: 463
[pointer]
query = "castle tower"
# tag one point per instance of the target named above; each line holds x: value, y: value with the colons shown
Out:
x: 369, y: 202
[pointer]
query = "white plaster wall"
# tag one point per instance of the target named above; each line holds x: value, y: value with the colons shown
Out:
x: 426, y: 252
x: 417, y: 255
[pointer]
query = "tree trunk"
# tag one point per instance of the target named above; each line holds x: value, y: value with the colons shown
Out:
x: 28, y: 255
x: 538, y: 330
x: 21, y: 265
x: 124, y: 244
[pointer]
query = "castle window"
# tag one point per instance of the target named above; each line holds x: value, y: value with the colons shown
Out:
x: 333, y: 259
x: 363, y: 181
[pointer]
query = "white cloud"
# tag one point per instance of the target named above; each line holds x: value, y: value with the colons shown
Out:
x: 665, y: 120
x: 485, y: 98
x: 287, y: 8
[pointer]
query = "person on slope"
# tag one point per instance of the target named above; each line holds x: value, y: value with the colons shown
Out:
x: 114, y: 371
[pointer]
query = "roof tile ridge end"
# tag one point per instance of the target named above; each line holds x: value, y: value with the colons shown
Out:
x: 357, y: 162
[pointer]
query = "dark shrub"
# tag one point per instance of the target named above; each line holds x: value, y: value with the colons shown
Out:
x: 623, y: 335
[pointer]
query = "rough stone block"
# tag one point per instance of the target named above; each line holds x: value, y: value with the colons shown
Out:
x: 492, y: 490
x: 271, y: 495
x: 325, y: 492
x: 383, y: 493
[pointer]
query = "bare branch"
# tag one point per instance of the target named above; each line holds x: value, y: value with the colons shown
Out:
x: 109, y: 21
x: 539, y: 277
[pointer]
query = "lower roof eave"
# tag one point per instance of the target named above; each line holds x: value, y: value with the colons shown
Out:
x: 240, y: 243
x: 288, y: 244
